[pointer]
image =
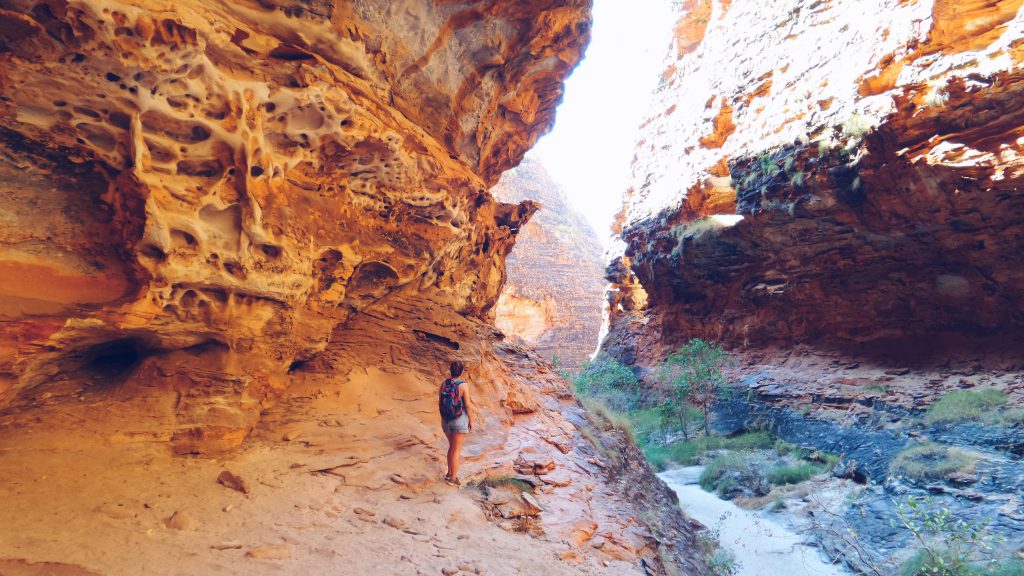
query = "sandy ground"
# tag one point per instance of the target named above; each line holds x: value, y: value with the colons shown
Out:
x: 762, y: 546
x: 87, y: 481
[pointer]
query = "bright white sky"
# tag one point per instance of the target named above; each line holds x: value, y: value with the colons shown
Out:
x: 591, y: 146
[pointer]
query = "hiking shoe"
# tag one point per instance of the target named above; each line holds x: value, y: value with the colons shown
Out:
x: 453, y: 481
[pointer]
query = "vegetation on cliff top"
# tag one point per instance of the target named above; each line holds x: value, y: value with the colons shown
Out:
x: 986, y: 405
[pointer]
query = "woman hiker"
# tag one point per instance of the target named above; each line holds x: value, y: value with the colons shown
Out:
x: 457, y: 412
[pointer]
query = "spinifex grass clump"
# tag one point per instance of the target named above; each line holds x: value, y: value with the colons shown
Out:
x: 505, y: 480
x: 979, y: 405
x: 930, y: 461
x: 684, y: 453
x: 795, y: 474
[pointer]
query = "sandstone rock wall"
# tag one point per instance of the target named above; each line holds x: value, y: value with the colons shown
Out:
x: 259, y: 230
x: 342, y: 473
x: 843, y: 173
x: 209, y: 188
x: 555, y: 291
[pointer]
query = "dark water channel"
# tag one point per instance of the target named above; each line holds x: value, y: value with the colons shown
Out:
x: 994, y: 497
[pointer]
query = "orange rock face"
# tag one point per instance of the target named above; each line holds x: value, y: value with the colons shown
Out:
x: 224, y: 183
x: 260, y: 231
x: 872, y: 191
x: 555, y: 290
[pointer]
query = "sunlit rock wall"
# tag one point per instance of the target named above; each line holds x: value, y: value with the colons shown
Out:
x: 198, y: 193
x: 872, y: 150
x: 555, y: 290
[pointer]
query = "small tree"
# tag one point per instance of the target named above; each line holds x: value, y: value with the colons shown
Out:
x: 671, y: 374
x: 694, y: 374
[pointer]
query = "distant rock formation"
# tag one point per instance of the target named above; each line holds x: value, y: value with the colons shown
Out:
x: 554, y: 295
x: 832, y: 173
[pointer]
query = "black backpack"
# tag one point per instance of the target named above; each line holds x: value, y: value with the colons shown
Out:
x: 450, y: 402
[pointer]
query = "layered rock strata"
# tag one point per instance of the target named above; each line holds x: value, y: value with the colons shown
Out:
x: 555, y: 290
x: 841, y: 174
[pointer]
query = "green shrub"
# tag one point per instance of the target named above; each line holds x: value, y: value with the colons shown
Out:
x: 830, y: 460
x: 767, y: 165
x: 720, y: 561
x: 965, y: 406
x: 929, y: 461
x: 792, y: 474
x: 609, y: 381
x: 748, y: 441
x: 656, y: 422
x: 730, y: 471
x: 950, y: 545
x: 505, y: 480
x: 685, y: 453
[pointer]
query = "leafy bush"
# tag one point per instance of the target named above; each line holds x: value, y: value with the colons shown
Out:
x: 609, y: 381
x: 656, y: 423
x: 720, y: 561
x: 767, y: 165
x: 950, y: 545
x: 792, y: 474
x: 734, y: 474
x: 930, y: 461
x: 965, y: 406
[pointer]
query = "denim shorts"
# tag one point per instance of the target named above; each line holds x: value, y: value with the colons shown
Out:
x: 458, y: 426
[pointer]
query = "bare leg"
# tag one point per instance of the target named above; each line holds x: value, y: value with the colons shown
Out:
x: 454, y: 453
x: 448, y: 474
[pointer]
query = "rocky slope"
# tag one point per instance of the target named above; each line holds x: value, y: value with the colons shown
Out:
x: 258, y: 231
x: 840, y: 174
x: 554, y: 295
x: 832, y: 191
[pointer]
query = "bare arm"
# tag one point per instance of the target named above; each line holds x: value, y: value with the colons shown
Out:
x: 470, y: 407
